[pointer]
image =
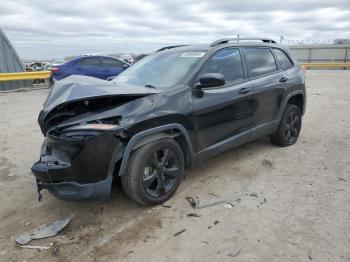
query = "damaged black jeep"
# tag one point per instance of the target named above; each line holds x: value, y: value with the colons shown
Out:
x: 171, y: 110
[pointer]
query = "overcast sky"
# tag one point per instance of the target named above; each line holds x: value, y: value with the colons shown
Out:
x: 47, y: 29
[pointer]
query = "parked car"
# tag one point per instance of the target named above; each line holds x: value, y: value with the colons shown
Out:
x: 171, y: 110
x: 57, y: 62
x: 96, y: 66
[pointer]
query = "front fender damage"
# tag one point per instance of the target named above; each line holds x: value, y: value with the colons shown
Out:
x: 85, y: 136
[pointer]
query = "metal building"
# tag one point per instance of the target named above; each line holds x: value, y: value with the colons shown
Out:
x: 10, y: 63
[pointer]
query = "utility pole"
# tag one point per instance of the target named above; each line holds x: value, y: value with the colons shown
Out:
x: 281, y: 39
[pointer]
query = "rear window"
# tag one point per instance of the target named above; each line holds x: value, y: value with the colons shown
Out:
x: 283, y: 59
x: 260, y: 61
x: 92, y: 61
x: 109, y: 62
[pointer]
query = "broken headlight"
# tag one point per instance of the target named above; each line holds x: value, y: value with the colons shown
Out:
x: 86, y: 131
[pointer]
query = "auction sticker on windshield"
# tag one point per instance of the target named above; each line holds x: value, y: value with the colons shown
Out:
x: 193, y: 54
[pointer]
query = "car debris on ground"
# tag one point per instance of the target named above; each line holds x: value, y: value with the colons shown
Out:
x: 194, y: 203
x: 231, y: 254
x: 193, y: 215
x: 179, y: 233
x: 36, y: 247
x: 44, y: 231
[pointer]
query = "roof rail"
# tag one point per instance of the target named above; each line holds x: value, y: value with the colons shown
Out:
x: 237, y: 39
x: 169, y: 47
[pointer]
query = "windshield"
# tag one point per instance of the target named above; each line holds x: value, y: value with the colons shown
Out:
x: 161, y: 70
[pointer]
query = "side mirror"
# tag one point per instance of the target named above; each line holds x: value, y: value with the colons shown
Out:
x: 210, y: 80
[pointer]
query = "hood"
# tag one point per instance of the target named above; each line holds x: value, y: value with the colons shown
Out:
x: 77, y: 95
x: 74, y: 88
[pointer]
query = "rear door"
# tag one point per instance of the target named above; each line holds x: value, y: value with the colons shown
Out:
x: 112, y: 67
x: 220, y: 114
x: 89, y: 66
x: 268, y: 83
x: 286, y: 64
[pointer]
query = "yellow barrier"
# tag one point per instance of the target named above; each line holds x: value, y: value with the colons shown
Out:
x: 24, y: 75
x: 331, y: 65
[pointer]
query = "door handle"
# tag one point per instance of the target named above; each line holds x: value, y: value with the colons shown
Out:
x: 283, y: 79
x: 244, y: 90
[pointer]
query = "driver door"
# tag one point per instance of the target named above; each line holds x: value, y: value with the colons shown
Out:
x: 223, y: 116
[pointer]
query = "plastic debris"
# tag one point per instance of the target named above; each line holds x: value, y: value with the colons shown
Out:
x: 36, y: 247
x: 193, y: 215
x: 231, y: 254
x: 44, y: 231
x: 196, y: 204
x: 179, y: 233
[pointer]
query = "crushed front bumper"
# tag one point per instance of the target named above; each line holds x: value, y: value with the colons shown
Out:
x: 75, y: 191
x: 78, y: 169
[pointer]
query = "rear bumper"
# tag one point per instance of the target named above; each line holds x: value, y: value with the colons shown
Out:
x: 77, y: 169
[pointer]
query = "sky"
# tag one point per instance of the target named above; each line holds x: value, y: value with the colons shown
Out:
x: 55, y: 29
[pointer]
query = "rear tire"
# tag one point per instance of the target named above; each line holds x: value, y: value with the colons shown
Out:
x: 154, y: 172
x: 289, y: 128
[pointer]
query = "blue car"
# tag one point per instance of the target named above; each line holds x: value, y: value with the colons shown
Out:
x: 101, y: 67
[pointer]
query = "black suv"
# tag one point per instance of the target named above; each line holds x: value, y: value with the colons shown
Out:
x: 172, y: 109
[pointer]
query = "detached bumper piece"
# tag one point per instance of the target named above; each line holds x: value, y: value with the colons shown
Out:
x: 76, y: 169
x: 73, y: 191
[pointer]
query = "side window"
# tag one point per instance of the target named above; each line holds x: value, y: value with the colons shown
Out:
x: 226, y: 62
x: 283, y: 59
x: 260, y: 61
x: 90, y: 61
x: 109, y: 62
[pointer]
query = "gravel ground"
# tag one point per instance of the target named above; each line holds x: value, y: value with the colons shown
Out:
x: 289, y: 204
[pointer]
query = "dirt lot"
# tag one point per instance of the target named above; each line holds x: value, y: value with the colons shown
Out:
x: 290, y: 204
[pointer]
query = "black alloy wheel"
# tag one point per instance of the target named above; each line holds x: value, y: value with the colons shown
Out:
x: 155, y: 171
x: 292, y: 126
x: 289, y: 128
x: 160, y: 172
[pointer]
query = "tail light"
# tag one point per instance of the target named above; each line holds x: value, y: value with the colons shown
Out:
x: 55, y: 70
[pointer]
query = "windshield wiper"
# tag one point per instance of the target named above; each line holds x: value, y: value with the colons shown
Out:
x: 150, y: 86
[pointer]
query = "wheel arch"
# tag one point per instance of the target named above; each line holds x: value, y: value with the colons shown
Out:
x: 175, y: 131
x: 298, y: 100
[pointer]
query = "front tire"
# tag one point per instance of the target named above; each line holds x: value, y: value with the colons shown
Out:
x: 154, y: 172
x: 289, y: 128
